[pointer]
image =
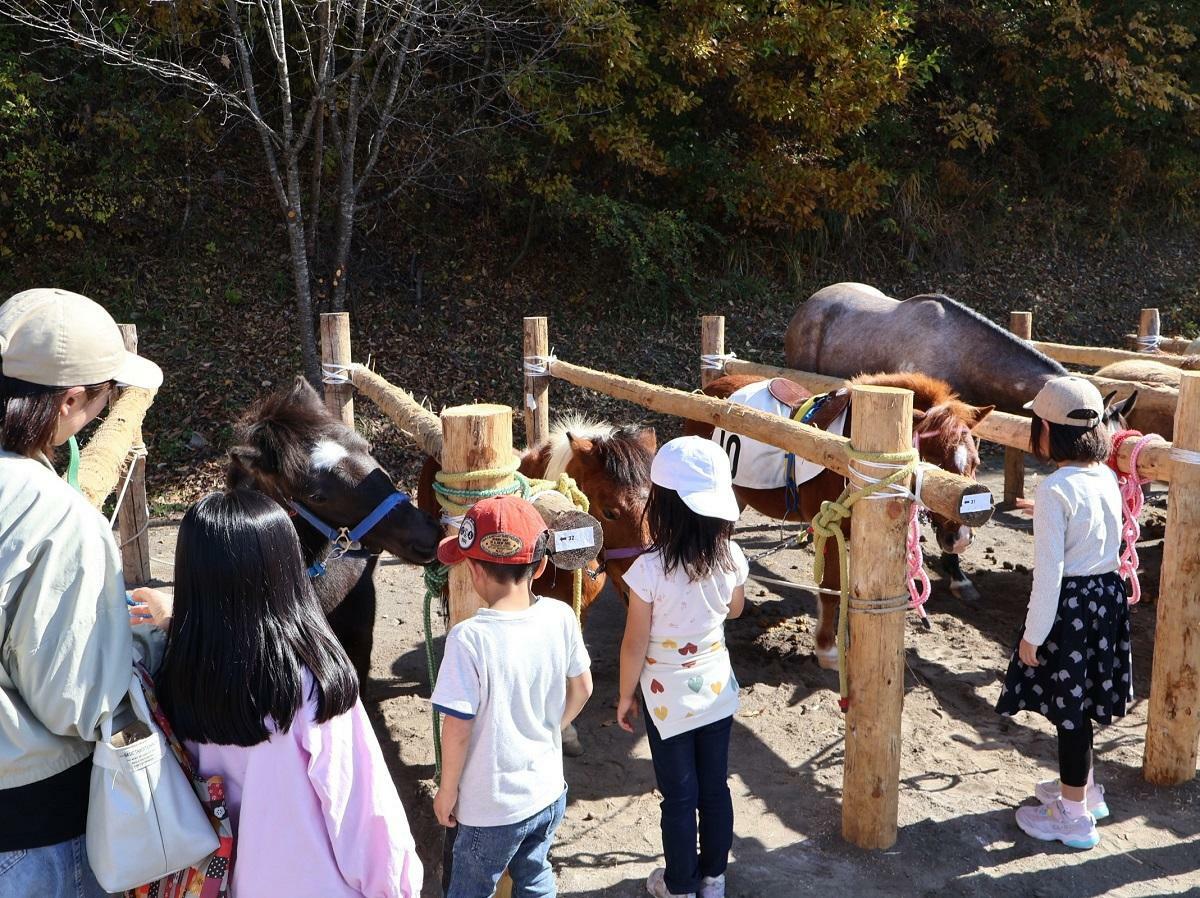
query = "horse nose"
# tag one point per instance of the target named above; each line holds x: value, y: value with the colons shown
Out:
x: 963, y: 539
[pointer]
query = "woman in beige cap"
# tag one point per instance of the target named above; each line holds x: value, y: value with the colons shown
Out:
x: 65, y: 641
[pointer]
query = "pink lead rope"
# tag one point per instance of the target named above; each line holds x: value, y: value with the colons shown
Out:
x: 1132, y: 500
x: 916, y: 565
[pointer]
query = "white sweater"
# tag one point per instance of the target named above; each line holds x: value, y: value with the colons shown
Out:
x: 1076, y: 532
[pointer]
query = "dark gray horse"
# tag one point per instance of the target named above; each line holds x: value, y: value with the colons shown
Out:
x: 849, y: 329
x: 290, y: 447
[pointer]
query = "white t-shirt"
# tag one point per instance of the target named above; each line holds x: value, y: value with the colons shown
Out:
x: 687, y: 680
x: 507, y: 671
x: 1076, y: 532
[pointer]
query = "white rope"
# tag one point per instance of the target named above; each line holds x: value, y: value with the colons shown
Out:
x: 452, y: 520
x: 1187, y: 456
x: 775, y: 581
x: 135, y: 453
x: 538, y: 365
x: 1150, y: 342
x: 334, y: 374
x: 715, y: 361
x: 886, y: 605
x: 892, y: 490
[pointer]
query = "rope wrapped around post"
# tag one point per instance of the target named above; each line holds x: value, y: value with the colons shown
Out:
x: 104, y: 458
x: 828, y: 523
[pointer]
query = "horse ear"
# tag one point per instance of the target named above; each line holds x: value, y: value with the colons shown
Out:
x: 243, y: 464
x: 979, y: 412
x: 648, y: 437
x: 580, y: 445
x: 1125, y: 409
x: 302, y: 391
x: 918, y: 416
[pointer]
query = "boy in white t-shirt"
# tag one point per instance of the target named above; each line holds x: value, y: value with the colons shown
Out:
x: 512, y: 676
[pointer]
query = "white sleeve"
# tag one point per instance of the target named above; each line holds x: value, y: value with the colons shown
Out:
x: 1049, y: 541
x: 457, y: 692
x: 741, y: 567
x: 578, y: 659
x: 641, y: 578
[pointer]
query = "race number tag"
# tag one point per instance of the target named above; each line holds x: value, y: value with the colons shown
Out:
x: 975, y: 502
x: 579, y: 538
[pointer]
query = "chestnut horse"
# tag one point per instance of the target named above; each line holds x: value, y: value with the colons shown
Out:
x: 611, y: 465
x: 290, y: 447
x: 942, y: 425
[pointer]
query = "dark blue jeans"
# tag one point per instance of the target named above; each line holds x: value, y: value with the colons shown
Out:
x: 692, y: 770
x: 56, y: 871
x: 481, y: 854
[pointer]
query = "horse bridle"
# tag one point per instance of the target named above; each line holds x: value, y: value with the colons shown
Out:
x: 346, y: 539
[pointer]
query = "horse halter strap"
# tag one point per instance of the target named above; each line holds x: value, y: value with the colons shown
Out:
x: 345, y: 539
x: 626, y: 552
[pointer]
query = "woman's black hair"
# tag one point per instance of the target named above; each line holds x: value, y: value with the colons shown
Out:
x: 246, y: 624
x: 1069, y: 443
x: 694, y: 542
x: 29, y: 414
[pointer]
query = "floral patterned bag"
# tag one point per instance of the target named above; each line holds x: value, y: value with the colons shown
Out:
x: 210, y: 878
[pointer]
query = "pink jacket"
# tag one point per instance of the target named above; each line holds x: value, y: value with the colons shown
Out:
x: 315, y: 812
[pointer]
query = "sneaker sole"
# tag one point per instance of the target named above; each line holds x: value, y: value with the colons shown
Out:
x: 1081, y: 844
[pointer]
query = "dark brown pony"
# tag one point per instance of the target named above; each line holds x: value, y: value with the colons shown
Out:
x: 611, y: 465
x: 290, y: 447
x: 942, y: 425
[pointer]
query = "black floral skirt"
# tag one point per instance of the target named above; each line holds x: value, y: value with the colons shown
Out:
x: 1085, y: 668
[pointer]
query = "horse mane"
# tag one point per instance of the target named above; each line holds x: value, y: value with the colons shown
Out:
x: 930, y: 395
x: 285, y: 425
x: 958, y: 308
x: 625, y: 459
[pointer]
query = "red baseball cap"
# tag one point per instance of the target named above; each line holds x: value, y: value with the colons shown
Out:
x: 503, y: 530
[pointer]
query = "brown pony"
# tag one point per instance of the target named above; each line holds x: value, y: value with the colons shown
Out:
x: 611, y: 465
x: 942, y: 425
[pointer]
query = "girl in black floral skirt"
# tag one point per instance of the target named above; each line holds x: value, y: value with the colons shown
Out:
x: 1073, y: 664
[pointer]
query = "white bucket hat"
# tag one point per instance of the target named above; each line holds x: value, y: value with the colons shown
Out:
x: 55, y: 338
x: 698, y: 470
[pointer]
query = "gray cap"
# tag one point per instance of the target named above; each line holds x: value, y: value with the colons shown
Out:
x: 1068, y: 400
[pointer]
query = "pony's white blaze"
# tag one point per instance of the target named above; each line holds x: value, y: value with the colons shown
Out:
x: 579, y: 426
x: 961, y: 457
x: 327, y: 454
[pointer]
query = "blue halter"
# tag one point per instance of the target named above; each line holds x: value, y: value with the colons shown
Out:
x: 346, y: 539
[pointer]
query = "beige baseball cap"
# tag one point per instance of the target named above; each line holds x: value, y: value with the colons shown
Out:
x: 56, y: 338
x: 1068, y: 400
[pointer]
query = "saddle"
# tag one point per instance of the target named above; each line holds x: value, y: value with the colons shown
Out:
x: 828, y: 409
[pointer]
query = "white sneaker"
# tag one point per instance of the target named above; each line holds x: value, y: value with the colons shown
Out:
x: 1050, y: 822
x: 1050, y: 791
x: 713, y: 887
x: 656, y: 885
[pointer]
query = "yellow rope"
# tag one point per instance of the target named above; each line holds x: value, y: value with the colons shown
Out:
x: 828, y: 523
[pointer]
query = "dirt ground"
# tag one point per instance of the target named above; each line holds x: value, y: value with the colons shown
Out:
x: 964, y: 769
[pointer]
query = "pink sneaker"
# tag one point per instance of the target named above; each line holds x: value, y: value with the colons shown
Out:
x: 713, y: 887
x: 1049, y: 822
x: 1050, y: 791
x: 656, y: 885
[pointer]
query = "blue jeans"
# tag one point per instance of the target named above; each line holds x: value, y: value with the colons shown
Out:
x: 692, y: 770
x: 55, y: 871
x: 481, y: 854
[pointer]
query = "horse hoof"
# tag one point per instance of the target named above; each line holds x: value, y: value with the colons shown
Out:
x: 964, y: 590
x: 827, y: 658
x: 571, y: 745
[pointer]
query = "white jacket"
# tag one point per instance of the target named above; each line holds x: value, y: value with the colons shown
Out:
x: 65, y: 640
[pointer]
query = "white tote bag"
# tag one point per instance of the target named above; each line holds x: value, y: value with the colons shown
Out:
x: 144, y: 819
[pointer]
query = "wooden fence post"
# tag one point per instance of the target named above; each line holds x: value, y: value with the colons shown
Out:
x: 1173, y: 727
x: 712, y: 342
x: 881, y: 422
x: 335, y: 350
x: 1149, y: 331
x: 133, y: 519
x: 1021, y: 324
x: 475, y: 438
x: 537, y: 387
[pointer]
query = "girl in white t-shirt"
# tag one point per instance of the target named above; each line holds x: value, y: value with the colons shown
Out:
x: 681, y: 592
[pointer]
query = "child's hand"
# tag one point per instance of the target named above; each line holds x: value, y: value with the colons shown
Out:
x: 150, y: 606
x: 1024, y: 506
x: 627, y: 712
x: 443, y: 807
x: 1028, y: 653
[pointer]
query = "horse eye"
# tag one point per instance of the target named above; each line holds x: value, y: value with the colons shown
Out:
x: 316, y: 497
x: 611, y: 514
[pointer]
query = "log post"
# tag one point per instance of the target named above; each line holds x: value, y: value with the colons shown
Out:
x: 133, y: 518
x: 1149, y: 331
x: 537, y: 387
x: 475, y: 438
x: 335, y: 351
x: 1173, y: 727
x: 712, y: 343
x: 1021, y: 324
x: 881, y: 421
